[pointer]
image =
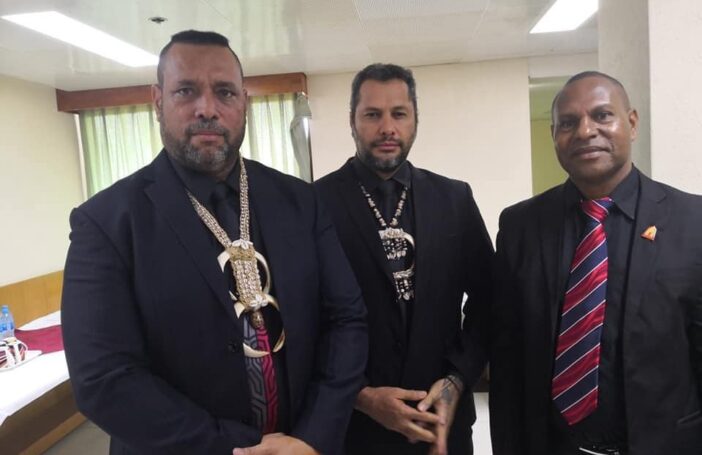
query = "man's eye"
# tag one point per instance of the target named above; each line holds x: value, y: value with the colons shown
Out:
x: 566, y: 124
x: 400, y: 114
x: 371, y: 115
x: 603, y: 116
x: 184, y: 91
x: 225, y: 93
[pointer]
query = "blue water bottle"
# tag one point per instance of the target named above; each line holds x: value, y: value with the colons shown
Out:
x: 7, y: 323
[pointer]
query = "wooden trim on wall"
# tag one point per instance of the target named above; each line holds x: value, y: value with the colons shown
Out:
x: 33, y: 298
x: 276, y: 83
x: 76, y: 101
x: 106, y: 97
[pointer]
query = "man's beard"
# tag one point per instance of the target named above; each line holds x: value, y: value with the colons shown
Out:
x: 191, y: 157
x: 364, y: 152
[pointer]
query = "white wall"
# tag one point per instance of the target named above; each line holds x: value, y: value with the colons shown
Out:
x: 39, y: 180
x: 473, y: 126
x: 676, y: 95
x: 562, y: 65
x: 623, y: 33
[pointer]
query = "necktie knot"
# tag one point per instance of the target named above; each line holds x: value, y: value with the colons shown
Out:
x: 226, y: 209
x: 597, y: 209
x: 386, y: 188
x: 220, y: 192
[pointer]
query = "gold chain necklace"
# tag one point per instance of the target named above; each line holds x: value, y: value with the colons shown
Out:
x: 244, y: 259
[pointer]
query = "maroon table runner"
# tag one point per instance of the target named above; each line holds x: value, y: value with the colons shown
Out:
x: 47, y: 340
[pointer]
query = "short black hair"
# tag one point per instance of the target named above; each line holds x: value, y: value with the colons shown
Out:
x: 195, y: 37
x: 586, y: 74
x: 383, y: 72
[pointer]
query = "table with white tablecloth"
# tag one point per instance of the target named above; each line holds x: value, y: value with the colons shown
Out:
x: 37, y: 407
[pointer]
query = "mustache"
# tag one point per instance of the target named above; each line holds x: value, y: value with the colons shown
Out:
x: 206, y: 125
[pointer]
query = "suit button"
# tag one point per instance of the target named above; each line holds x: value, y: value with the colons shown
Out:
x: 234, y: 347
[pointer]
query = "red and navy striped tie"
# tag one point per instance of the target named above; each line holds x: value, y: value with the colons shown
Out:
x: 575, y: 377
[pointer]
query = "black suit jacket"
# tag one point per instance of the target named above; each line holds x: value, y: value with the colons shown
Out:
x: 661, y: 333
x: 453, y: 254
x: 154, y: 353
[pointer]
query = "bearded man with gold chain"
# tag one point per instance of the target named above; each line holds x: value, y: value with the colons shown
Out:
x: 207, y: 305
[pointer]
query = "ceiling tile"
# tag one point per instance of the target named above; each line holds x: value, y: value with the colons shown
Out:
x: 394, y: 9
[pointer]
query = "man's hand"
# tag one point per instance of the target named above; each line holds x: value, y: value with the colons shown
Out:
x: 386, y: 405
x: 443, y: 397
x: 278, y: 444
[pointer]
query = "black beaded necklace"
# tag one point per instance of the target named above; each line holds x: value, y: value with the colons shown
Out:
x: 396, y: 242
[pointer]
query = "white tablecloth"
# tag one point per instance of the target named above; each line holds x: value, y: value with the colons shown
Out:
x: 22, y: 385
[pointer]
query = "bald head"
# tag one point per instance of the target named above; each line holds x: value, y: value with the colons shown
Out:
x: 616, y: 85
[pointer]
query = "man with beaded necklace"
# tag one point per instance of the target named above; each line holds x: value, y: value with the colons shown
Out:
x: 417, y: 243
x: 207, y: 304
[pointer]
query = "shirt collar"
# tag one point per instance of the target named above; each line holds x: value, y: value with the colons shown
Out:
x: 202, y: 185
x: 371, y: 180
x: 624, y: 196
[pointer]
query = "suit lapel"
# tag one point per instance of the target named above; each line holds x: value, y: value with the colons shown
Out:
x: 652, y: 210
x: 427, y: 215
x: 364, y: 221
x: 551, y: 226
x: 171, y: 201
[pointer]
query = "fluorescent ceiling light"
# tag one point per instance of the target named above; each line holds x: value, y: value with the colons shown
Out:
x: 71, y: 31
x: 565, y: 15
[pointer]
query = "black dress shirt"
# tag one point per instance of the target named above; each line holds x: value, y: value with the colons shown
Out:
x: 373, y: 184
x: 607, y: 424
x: 205, y: 189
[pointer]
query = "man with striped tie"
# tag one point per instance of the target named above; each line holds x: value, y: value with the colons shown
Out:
x: 597, y: 345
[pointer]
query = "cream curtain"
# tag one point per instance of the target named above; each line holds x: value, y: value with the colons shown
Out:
x: 268, y: 137
x: 116, y: 142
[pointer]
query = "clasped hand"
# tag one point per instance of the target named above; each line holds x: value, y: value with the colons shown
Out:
x: 278, y: 444
x: 387, y: 406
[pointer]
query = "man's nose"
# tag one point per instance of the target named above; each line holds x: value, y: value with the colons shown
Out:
x: 388, y: 126
x: 206, y: 106
x: 586, y: 128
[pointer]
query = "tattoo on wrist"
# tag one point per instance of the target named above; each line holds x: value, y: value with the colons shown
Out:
x: 446, y: 392
x: 456, y: 382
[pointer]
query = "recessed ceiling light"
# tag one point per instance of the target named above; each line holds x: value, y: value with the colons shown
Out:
x: 63, y: 28
x: 565, y: 15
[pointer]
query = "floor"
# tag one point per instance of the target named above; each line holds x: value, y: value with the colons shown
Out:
x: 88, y: 439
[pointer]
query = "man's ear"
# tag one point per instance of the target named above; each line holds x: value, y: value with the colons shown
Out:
x: 157, y: 100
x: 634, y: 122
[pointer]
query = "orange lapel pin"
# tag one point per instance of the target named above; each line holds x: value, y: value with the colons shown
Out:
x: 650, y: 233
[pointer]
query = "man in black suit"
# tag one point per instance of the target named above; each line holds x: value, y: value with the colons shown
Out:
x: 598, y: 339
x: 417, y: 243
x: 176, y: 338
